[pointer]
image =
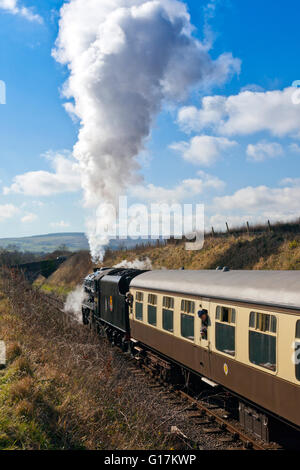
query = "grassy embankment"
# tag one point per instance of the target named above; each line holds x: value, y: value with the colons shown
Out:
x: 273, y: 250
x: 61, y: 389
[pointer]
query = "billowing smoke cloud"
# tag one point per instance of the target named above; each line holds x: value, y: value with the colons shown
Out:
x: 136, y: 264
x: 74, y: 301
x: 125, y: 58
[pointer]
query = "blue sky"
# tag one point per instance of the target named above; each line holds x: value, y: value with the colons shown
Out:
x: 251, y: 171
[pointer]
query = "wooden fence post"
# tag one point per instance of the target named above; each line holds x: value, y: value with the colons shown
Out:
x: 227, y: 228
x: 269, y: 225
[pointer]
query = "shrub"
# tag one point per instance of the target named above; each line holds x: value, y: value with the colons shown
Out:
x: 13, y: 351
x: 25, y: 409
x: 21, y: 389
x: 22, y: 364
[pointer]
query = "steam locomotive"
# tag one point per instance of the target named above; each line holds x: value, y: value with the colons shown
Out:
x: 251, y: 345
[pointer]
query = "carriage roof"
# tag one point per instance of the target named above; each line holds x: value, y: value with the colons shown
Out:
x: 273, y: 288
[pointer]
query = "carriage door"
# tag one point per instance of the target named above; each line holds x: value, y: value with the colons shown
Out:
x: 203, y: 337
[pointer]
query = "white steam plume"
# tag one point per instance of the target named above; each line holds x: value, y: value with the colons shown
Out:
x: 125, y: 58
x: 74, y: 302
x: 136, y: 264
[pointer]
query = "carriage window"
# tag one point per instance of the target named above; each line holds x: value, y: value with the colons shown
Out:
x: 168, y: 302
x: 297, y: 350
x: 187, y: 326
x: 263, y: 322
x: 225, y: 314
x: 225, y: 330
x: 187, y: 306
x: 139, y: 296
x: 139, y: 311
x: 152, y: 299
x: 152, y: 315
x: 167, y: 317
x: 262, y: 340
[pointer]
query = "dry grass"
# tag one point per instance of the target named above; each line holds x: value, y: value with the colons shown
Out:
x: 72, y: 271
x: 13, y: 350
x: 23, y: 365
x: 25, y: 409
x: 261, y: 251
x: 63, y: 389
x: 21, y: 389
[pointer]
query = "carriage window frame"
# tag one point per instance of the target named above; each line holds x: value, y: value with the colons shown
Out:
x: 188, y: 306
x: 183, y: 316
x: 152, y: 299
x: 225, y: 320
x: 168, y: 303
x: 135, y: 311
x: 166, y: 312
x: 221, y: 315
x: 265, y: 324
x: 139, y: 296
x: 152, y: 310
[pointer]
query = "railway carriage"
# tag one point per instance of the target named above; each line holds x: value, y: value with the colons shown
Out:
x: 251, y: 342
x: 250, y: 345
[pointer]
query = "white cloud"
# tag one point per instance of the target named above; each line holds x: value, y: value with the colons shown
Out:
x: 262, y: 199
x: 7, y: 211
x: 246, y: 113
x: 61, y: 224
x: 14, y: 7
x: 257, y: 205
x: 263, y: 150
x: 191, y: 118
x: 65, y: 178
x: 203, y: 150
x: 186, y: 189
x: 28, y: 218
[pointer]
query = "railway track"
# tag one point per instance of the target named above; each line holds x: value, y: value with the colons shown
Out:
x: 211, y: 419
x: 55, y: 302
x: 222, y: 425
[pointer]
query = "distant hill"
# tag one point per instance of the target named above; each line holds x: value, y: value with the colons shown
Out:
x: 53, y: 241
x: 46, y: 243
